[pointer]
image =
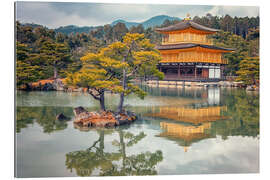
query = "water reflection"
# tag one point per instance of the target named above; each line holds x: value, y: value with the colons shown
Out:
x: 243, y: 109
x: 185, y: 135
x: 44, y: 116
x: 188, y: 125
x: 190, y: 114
x: 209, y: 130
x: 118, y: 163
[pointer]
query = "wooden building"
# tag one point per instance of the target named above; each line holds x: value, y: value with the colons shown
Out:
x: 189, y: 54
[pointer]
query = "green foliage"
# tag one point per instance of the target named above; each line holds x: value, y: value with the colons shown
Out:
x: 249, y: 70
x: 26, y: 68
x: 55, y: 55
x: 242, y: 49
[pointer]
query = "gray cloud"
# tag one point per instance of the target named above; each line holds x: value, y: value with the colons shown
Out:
x: 55, y: 14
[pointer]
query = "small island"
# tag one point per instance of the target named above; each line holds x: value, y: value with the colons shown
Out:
x: 103, y: 118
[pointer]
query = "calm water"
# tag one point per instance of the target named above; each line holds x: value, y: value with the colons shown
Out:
x: 179, y: 131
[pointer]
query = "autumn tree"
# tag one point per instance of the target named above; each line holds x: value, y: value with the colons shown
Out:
x: 114, y: 67
x: 99, y: 73
x: 142, y: 59
x: 249, y: 71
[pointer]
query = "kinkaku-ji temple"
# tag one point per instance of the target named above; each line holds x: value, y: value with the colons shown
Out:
x: 189, y: 54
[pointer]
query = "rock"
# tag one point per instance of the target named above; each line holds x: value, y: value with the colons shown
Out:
x: 250, y: 88
x: 102, y: 119
x: 47, y: 87
x: 58, y: 84
x: 79, y: 110
x: 61, y: 117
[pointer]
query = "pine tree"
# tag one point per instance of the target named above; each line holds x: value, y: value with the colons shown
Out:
x: 142, y: 59
x: 114, y: 68
x: 98, y: 74
x: 249, y: 71
x: 55, y: 55
x: 26, y: 68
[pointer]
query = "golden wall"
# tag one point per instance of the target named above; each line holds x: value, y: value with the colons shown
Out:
x: 186, y: 37
x: 193, y: 56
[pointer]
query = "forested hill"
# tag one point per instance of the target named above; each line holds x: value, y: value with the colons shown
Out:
x: 152, y: 22
x: 74, y: 29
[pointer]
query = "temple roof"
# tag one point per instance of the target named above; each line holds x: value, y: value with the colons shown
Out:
x: 184, y: 25
x: 189, y: 45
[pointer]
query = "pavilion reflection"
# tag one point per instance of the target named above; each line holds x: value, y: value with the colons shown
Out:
x: 185, y: 135
x: 187, y: 125
x: 189, y: 114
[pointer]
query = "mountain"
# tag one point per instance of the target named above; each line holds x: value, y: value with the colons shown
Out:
x: 128, y: 24
x: 158, y: 20
x: 154, y: 21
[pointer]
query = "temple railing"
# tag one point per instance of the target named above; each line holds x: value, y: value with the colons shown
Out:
x: 189, y: 78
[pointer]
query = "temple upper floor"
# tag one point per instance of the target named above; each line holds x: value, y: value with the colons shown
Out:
x: 186, y: 37
x: 186, y: 31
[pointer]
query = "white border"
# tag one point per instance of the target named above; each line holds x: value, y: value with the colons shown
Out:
x: 7, y: 87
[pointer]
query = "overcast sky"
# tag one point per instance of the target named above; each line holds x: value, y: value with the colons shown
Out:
x: 53, y: 14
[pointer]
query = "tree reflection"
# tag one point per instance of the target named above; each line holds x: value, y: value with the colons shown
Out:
x: 114, y: 163
x: 44, y: 116
x: 244, y: 111
x: 23, y: 118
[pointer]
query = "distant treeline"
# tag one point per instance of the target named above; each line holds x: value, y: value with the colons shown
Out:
x: 39, y: 48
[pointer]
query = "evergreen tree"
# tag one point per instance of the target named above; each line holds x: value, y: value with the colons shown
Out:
x: 55, y: 55
x: 98, y: 73
x: 249, y: 71
x: 26, y: 69
x: 142, y: 59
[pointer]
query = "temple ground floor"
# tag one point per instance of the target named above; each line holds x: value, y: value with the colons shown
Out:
x: 204, y: 72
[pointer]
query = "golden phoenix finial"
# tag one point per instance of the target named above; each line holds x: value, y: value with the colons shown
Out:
x: 188, y: 17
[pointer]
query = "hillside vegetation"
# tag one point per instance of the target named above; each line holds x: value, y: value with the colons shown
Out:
x: 42, y: 53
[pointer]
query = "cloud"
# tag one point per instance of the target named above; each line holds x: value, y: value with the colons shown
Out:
x: 235, y: 11
x: 55, y: 14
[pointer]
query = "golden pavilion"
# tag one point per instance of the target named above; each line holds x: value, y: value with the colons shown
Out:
x: 189, y: 54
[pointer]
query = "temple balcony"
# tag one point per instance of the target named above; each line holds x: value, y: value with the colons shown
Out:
x: 206, y: 42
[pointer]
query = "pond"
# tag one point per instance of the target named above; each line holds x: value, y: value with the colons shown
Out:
x: 179, y: 131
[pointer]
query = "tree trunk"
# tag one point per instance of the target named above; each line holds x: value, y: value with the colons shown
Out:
x: 102, y: 101
x: 55, y: 75
x: 101, y: 143
x: 123, y: 147
x: 122, y: 95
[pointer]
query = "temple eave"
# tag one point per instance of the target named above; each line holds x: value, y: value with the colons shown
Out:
x: 187, y: 46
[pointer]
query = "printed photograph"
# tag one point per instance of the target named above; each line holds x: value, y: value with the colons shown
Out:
x: 107, y: 89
